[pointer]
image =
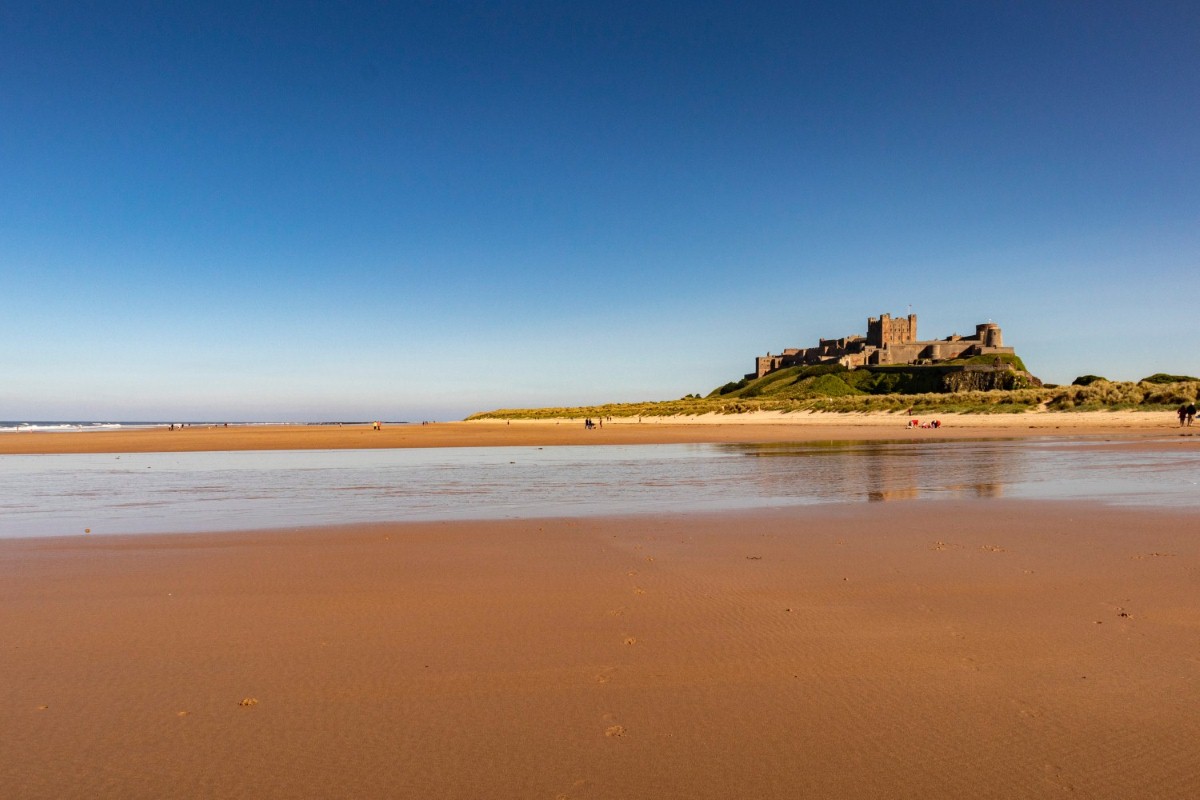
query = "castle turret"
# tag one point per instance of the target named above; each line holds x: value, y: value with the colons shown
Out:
x: 988, y: 334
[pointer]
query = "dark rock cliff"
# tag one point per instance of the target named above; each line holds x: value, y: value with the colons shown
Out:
x: 985, y: 379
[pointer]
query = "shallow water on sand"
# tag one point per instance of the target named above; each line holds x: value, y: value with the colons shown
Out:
x: 45, y: 495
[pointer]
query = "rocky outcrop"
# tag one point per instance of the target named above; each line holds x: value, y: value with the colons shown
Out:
x: 979, y: 378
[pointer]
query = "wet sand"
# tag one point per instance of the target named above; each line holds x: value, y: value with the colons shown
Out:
x: 756, y: 427
x: 898, y: 650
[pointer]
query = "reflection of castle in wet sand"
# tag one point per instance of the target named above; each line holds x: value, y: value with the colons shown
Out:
x: 892, y: 478
x: 988, y: 489
x: 885, y: 471
x: 883, y: 495
x: 979, y: 490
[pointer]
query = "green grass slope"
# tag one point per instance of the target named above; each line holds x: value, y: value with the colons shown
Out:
x: 831, y: 388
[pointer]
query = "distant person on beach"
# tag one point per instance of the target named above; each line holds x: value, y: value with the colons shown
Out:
x: 1182, y: 415
x: 1191, y: 413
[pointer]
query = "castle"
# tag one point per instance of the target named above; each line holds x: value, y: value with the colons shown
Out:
x: 888, y: 341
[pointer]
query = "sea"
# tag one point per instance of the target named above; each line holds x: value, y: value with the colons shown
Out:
x: 56, y: 426
x: 62, y: 426
x: 107, y: 493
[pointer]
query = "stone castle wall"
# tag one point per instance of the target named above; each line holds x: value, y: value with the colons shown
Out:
x: 888, y: 341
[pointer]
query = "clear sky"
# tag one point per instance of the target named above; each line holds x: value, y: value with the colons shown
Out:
x: 310, y: 210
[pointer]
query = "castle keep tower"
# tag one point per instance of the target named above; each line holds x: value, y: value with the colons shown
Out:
x: 883, y: 330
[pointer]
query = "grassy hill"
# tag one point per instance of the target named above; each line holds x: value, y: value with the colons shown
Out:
x: 833, y: 389
x: 834, y: 380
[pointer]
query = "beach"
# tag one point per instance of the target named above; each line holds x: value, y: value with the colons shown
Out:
x: 709, y: 428
x: 918, y: 648
x: 899, y: 650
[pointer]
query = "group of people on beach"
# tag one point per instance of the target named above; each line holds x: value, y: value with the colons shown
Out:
x: 1187, y: 413
x: 589, y: 425
x: 916, y: 423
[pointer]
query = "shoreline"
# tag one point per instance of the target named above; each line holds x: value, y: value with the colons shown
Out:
x: 752, y: 427
x: 912, y: 650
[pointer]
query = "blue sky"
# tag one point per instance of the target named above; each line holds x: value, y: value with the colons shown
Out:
x: 303, y: 211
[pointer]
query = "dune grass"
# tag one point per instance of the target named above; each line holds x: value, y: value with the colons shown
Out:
x: 806, y: 392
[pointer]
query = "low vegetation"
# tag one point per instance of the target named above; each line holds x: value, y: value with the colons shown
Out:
x: 826, y: 389
x: 1163, y: 378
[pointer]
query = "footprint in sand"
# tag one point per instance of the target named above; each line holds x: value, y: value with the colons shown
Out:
x: 630, y: 640
x: 605, y: 675
x: 638, y: 590
x: 1026, y: 710
x: 579, y: 784
x: 1054, y: 774
x: 615, y: 729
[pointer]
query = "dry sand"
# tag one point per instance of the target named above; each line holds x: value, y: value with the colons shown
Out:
x: 752, y: 427
x: 924, y: 650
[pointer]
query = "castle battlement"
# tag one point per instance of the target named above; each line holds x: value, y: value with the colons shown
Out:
x: 889, y: 340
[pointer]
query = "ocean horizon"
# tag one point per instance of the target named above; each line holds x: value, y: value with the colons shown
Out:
x: 71, y: 426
